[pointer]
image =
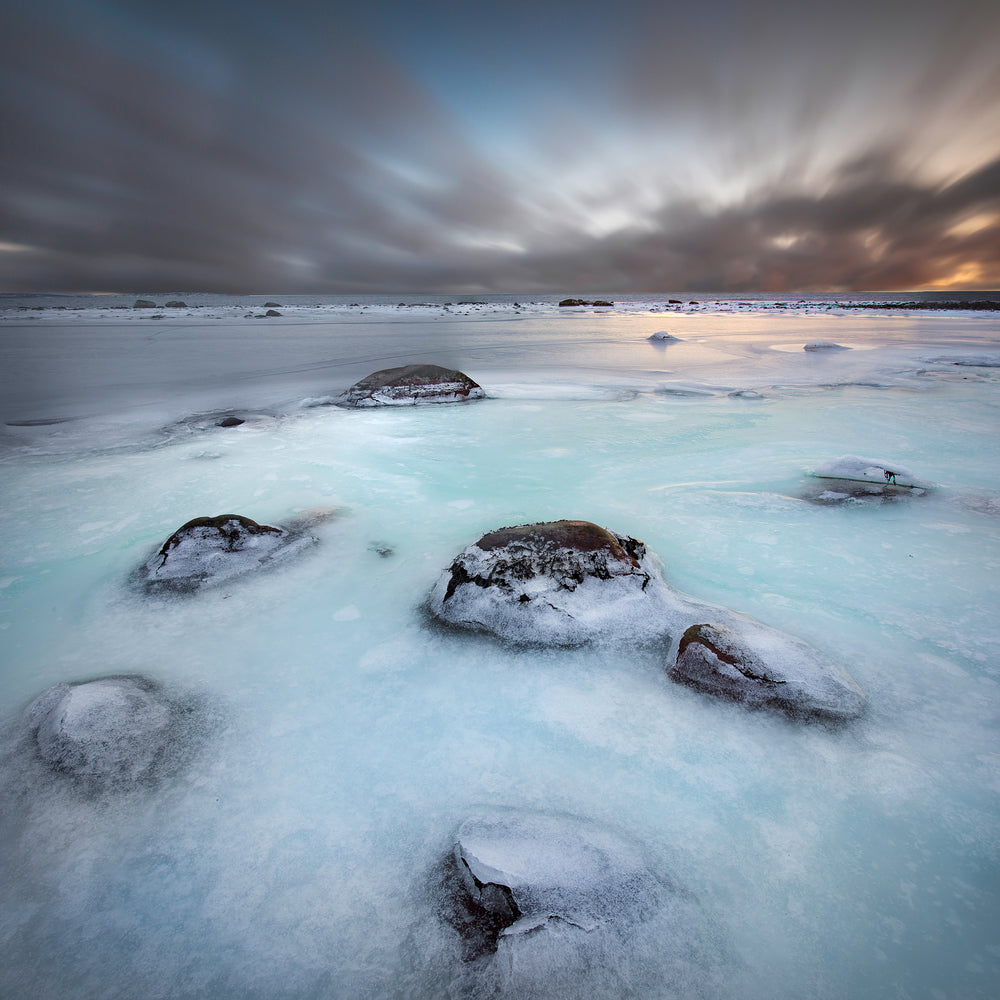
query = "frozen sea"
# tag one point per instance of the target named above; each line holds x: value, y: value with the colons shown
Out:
x: 346, y: 738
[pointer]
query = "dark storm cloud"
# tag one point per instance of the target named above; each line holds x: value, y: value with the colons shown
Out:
x: 218, y: 147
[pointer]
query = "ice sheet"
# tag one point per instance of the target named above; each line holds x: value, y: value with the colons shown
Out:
x: 291, y: 857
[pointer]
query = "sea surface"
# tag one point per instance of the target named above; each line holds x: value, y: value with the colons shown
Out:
x: 346, y: 737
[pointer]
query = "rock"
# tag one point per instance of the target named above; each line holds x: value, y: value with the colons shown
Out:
x: 175, y: 304
x: 662, y: 337
x: 570, y: 582
x: 144, y: 304
x: 277, y: 305
x: 745, y: 394
x: 601, y: 302
x: 230, y: 422
x: 210, y: 550
x: 585, y: 302
x: 824, y: 345
x: 559, y: 583
x: 515, y: 874
x: 410, y: 385
x: 111, y: 732
x: 853, y: 479
x: 674, y: 302
x: 765, y: 668
x: 272, y: 312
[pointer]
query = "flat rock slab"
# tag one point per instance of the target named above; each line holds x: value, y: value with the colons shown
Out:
x: 210, y: 550
x: 748, y: 662
x: 556, y: 583
x: 110, y: 732
x: 411, y: 385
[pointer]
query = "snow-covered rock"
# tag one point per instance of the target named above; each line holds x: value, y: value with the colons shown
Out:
x: 851, y: 478
x: 571, y: 582
x: 662, y: 337
x: 557, y: 583
x: 114, y: 731
x: 869, y: 470
x: 748, y: 662
x: 515, y: 873
x: 210, y: 550
x: 410, y: 385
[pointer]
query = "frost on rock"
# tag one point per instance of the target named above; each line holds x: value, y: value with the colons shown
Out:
x: 851, y: 479
x: 558, y: 583
x: 516, y: 873
x: 210, y: 550
x: 410, y: 385
x: 111, y: 732
x: 763, y: 667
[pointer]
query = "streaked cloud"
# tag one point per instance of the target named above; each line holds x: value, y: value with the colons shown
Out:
x: 625, y: 147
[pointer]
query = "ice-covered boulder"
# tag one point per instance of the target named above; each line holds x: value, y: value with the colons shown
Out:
x: 763, y: 667
x: 114, y: 731
x: 852, y: 478
x: 556, y: 583
x: 210, y: 550
x: 515, y: 873
x: 662, y: 337
x: 554, y: 906
x: 824, y: 345
x: 410, y: 385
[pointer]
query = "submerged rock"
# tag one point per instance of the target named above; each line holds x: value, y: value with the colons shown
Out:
x: 852, y: 479
x: 209, y: 550
x: 513, y: 874
x: 411, y: 384
x: 111, y: 732
x: 560, y: 583
x: 765, y: 668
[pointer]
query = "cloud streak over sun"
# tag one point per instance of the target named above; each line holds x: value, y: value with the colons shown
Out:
x: 626, y: 147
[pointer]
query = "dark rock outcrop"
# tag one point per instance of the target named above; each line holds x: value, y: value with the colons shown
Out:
x: 113, y: 732
x: 271, y: 312
x: 175, y: 304
x: 764, y: 668
x: 410, y: 385
x: 209, y: 550
x: 272, y: 305
x: 586, y: 302
x: 559, y: 582
x: 144, y: 304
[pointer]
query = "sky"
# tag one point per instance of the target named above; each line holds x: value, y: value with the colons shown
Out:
x: 446, y: 146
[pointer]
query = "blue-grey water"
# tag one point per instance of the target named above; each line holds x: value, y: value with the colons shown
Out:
x: 348, y: 738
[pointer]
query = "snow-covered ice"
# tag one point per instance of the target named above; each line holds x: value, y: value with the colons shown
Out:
x: 350, y: 737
